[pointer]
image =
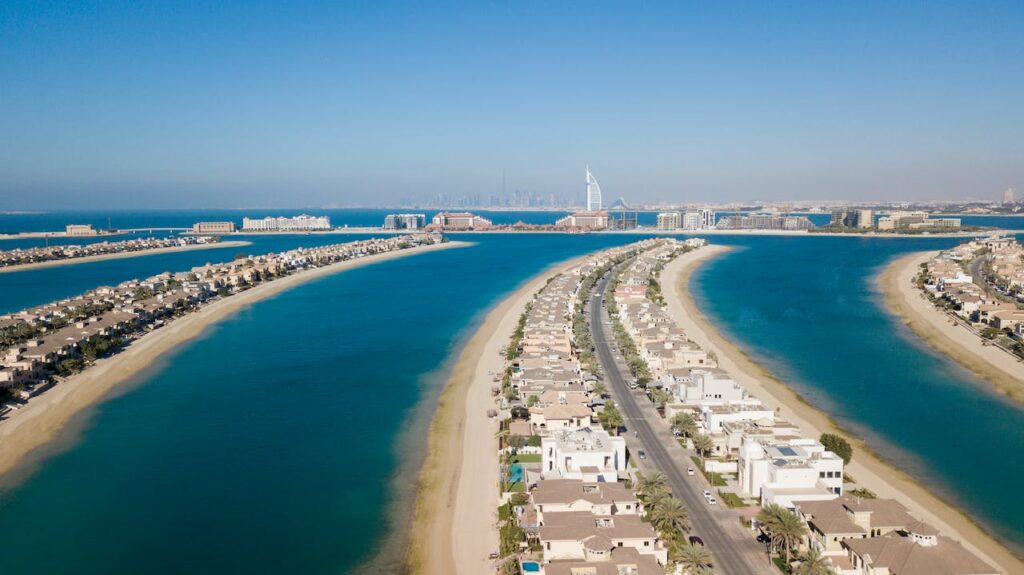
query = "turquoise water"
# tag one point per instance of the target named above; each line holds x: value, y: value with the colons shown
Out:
x: 807, y: 308
x: 271, y: 444
x: 278, y: 441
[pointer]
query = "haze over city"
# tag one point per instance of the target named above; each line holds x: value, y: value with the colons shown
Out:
x: 237, y: 105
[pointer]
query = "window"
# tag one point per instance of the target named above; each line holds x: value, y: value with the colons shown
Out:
x: 647, y: 543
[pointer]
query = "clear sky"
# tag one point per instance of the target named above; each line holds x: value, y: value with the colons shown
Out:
x: 223, y: 104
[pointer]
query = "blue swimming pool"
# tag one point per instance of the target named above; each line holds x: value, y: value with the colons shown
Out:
x: 531, y: 567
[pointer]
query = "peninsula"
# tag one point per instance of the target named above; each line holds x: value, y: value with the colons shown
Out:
x: 966, y: 302
x: 63, y: 357
x: 875, y: 477
x: 18, y: 260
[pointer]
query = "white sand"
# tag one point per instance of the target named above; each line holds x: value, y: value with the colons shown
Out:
x: 43, y: 418
x: 868, y: 470
x: 120, y: 255
x: 454, y: 529
x: 906, y: 301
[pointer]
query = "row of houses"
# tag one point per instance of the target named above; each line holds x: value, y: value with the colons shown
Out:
x: 769, y: 455
x: 61, y: 337
x: 945, y: 278
x: 574, y: 507
x: 24, y: 256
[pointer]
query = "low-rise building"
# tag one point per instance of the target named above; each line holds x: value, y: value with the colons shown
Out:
x: 587, y: 454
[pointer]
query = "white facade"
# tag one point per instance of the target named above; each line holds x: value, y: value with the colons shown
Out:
x: 301, y: 223
x: 783, y: 472
x: 668, y: 221
x: 693, y: 221
x: 593, y: 193
x: 588, y: 454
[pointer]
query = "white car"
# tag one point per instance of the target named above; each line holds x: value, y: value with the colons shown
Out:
x: 712, y: 501
x: 690, y: 471
x: 707, y: 493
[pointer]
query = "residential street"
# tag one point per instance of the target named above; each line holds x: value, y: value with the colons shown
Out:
x: 735, y: 550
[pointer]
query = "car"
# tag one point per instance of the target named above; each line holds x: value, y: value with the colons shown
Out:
x: 712, y: 501
x: 642, y: 454
x: 690, y: 471
x: 694, y: 540
x: 707, y: 493
x: 762, y: 538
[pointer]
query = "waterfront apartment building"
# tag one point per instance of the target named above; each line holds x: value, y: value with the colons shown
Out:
x: 915, y: 221
x: 852, y: 218
x: 213, y: 228
x: 459, y: 221
x: 585, y: 221
x: 301, y: 223
x: 668, y: 221
x: 765, y: 222
x: 80, y: 230
x: 405, y: 221
x: 690, y: 221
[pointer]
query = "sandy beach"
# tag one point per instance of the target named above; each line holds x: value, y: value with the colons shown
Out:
x: 121, y: 255
x: 869, y: 471
x: 1004, y: 371
x: 456, y: 509
x: 45, y: 416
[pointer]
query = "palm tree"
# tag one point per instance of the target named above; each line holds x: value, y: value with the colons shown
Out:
x: 647, y: 483
x: 599, y: 388
x: 789, y: 532
x: 685, y: 423
x: 693, y: 558
x: 769, y: 519
x: 813, y: 563
x: 670, y: 517
x: 703, y: 444
x: 660, y: 397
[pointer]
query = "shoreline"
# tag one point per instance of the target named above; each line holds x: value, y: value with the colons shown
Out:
x: 45, y: 417
x: 457, y: 499
x: 866, y: 467
x: 121, y: 255
x: 903, y: 300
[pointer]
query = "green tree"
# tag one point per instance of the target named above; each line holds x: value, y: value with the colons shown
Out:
x: 671, y: 518
x: 837, y: 445
x: 703, y: 444
x: 813, y: 563
x: 532, y: 401
x: 647, y: 483
x: 685, y: 423
x: 660, y: 397
x: 788, y: 532
x: 692, y: 558
x: 611, y: 419
x: 599, y: 389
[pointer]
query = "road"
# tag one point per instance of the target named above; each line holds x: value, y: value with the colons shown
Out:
x: 735, y: 550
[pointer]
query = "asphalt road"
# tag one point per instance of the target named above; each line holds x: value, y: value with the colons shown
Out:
x: 735, y: 550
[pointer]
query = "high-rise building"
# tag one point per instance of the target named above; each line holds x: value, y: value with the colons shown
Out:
x: 593, y: 193
x: 707, y: 219
x: 693, y: 221
x: 865, y: 218
x: 404, y: 221
x: 1009, y: 197
x: 668, y: 221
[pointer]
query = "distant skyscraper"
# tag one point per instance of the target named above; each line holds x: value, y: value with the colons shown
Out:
x: 593, y: 193
x: 1009, y: 197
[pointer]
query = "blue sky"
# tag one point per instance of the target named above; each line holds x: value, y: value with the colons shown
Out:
x: 222, y: 104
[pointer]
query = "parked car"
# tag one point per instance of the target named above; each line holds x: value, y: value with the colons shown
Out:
x: 642, y: 454
x: 707, y: 494
x: 712, y: 501
x: 690, y: 471
x: 694, y: 540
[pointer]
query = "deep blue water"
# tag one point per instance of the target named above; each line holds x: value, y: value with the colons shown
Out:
x: 271, y: 444
x: 53, y: 221
x: 20, y: 290
x: 808, y: 309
